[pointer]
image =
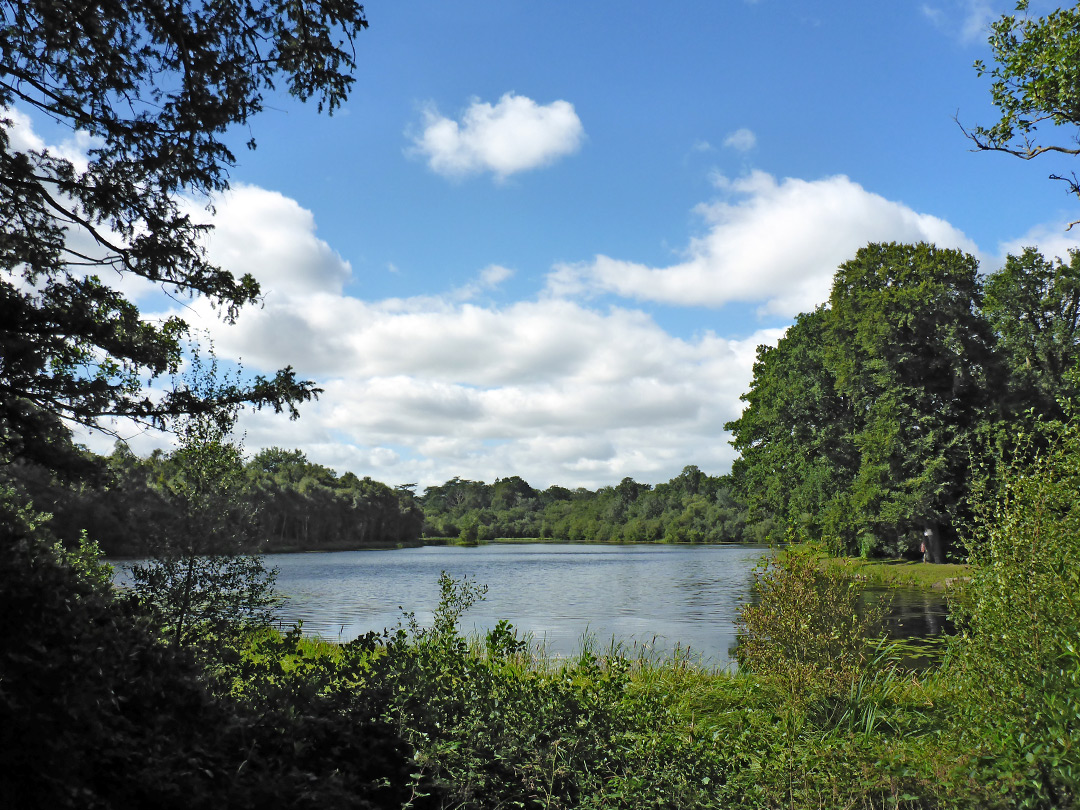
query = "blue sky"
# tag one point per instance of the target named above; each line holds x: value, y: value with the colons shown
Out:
x: 544, y: 239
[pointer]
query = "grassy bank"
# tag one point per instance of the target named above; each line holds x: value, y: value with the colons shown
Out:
x: 899, y: 572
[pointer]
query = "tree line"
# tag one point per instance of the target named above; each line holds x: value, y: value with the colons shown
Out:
x: 690, y: 508
x: 280, y: 501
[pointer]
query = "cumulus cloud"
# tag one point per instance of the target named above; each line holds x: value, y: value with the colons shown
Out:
x: 514, y: 135
x: 23, y: 138
x: 772, y: 242
x: 1052, y: 240
x: 932, y: 13
x: 420, y: 389
x: 741, y: 140
x: 556, y: 393
x: 272, y: 237
x: 490, y: 278
x: 556, y: 389
x: 550, y: 390
x: 977, y: 17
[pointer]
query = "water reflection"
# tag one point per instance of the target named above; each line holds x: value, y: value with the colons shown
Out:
x: 662, y: 596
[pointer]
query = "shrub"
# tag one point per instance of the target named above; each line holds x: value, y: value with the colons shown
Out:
x: 808, y: 625
x: 96, y: 711
x: 1017, y: 657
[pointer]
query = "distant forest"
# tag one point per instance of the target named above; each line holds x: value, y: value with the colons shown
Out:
x: 126, y: 504
x: 691, y: 508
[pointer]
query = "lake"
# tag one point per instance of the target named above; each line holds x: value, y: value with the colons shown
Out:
x: 661, y: 596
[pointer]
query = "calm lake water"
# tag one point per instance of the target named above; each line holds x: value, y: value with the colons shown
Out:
x: 661, y: 596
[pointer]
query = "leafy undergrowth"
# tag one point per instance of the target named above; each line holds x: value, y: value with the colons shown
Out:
x: 493, y: 722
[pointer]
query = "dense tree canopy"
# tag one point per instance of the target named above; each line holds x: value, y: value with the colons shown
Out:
x: 874, y: 419
x: 1034, y: 306
x: 691, y: 508
x: 797, y: 456
x: 912, y: 351
x: 157, y: 88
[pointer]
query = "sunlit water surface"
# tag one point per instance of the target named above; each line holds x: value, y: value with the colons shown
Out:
x: 659, y: 596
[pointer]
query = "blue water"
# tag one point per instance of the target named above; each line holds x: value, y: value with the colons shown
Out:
x: 659, y: 596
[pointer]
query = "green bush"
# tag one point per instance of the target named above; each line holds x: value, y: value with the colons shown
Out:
x: 98, y: 711
x: 492, y: 727
x: 1017, y: 657
x: 808, y: 625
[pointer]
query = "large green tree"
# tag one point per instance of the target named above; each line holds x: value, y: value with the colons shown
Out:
x: 794, y: 437
x: 913, y: 353
x: 864, y: 425
x: 201, y: 577
x: 1033, y: 304
x: 157, y: 86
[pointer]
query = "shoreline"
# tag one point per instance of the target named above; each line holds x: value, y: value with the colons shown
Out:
x: 901, y: 573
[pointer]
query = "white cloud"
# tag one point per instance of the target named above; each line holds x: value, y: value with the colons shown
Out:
x: 932, y: 13
x: 23, y: 138
x: 977, y: 17
x: 1051, y: 240
x: 514, y: 135
x: 487, y: 280
x: 556, y: 389
x: 421, y: 389
x: 616, y: 396
x: 425, y: 388
x: 969, y: 20
x: 741, y: 140
x: 272, y: 237
x: 776, y: 243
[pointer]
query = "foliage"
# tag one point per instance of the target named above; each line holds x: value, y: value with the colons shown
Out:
x: 1018, y: 656
x: 1036, y: 85
x: 1033, y: 304
x: 796, y: 454
x: 863, y: 428
x: 424, y: 718
x: 155, y: 90
x: 198, y: 579
x: 302, y: 505
x: 484, y: 726
x: 491, y: 731
x: 807, y: 625
x: 126, y: 506
x: 95, y: 712
x: 87, y: 562
x: 912, y: 352
x: 691, y: 508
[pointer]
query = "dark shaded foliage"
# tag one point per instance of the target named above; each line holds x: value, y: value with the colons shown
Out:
x: 97, y: 711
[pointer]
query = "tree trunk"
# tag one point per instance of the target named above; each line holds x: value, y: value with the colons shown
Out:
x: 932, y: 550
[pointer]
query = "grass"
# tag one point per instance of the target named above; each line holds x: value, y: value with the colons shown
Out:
x: 899, y: 572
